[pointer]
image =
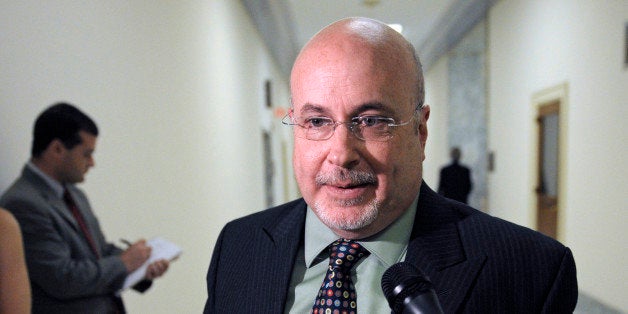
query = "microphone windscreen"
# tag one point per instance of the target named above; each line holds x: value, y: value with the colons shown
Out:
x: 402, y: 280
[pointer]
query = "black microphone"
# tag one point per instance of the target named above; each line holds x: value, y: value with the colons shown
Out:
x: 409, y: 291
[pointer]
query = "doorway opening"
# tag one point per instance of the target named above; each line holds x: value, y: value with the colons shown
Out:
x: 549, y: 161
x: 547, y: 169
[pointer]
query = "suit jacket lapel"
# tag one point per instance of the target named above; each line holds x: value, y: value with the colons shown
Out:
x: 436, y: 248
x: 285, y: 245
x: 60, y: 207
x: 88, y: 217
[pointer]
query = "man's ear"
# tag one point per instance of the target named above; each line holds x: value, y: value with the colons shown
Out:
x: 56, y: 147
x: 424, y: 116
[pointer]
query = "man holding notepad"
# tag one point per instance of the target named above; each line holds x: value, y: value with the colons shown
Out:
x: 72, y: 268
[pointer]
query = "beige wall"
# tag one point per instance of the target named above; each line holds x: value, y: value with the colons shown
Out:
x: 177, y: 91
x: 437, y: 148
x: 539, y: 44
x: 536, y: 45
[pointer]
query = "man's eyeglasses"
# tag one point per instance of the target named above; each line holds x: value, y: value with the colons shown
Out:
x: 367, y: 128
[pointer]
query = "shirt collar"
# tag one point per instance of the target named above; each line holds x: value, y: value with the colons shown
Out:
x: 389, y: 245
x: 55, y: 185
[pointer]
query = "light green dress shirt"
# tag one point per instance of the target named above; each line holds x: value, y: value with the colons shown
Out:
x: 386, y: 248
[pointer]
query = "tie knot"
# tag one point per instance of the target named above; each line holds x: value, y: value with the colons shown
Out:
x: 345, y: 253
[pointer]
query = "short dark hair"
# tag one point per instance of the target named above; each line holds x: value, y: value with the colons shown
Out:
x: 60, y: 121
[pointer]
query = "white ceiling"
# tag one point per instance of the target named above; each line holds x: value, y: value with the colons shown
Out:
x: 416, y: 16
x: 432, y: 26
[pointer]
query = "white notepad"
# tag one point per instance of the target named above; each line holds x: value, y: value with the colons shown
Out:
x: 161, y: 249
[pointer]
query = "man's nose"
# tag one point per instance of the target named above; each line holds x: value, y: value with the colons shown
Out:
x: 343, y: 150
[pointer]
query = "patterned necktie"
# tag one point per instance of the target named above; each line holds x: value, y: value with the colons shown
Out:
x: 337, y: 293
x: 69, y: 201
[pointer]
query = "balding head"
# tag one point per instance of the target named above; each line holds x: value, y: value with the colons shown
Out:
x: 368, y: 40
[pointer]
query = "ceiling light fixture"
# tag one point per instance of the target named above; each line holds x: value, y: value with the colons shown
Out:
x: 397, y: 27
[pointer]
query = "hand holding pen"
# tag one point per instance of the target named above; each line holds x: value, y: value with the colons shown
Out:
x: 135, y: 255
x: 154, y: 270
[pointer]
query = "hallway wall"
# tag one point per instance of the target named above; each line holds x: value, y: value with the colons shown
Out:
x: 467, y: 125
x: 536, y: 45
x: 177, y: 91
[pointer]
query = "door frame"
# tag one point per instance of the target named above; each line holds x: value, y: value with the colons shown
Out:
x: 557, y: 93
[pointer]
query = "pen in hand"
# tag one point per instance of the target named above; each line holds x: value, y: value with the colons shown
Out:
x: 135, y: 255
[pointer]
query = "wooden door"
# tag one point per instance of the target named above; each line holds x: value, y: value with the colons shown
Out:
x: 548, y: 167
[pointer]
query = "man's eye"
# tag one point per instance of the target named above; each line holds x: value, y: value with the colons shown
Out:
x: 372, y: 121
x: 316, y: 122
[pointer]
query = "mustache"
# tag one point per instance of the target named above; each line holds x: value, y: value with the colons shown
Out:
x: 355, y: 177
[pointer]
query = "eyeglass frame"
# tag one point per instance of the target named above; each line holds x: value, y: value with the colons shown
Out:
x: 352, y: 125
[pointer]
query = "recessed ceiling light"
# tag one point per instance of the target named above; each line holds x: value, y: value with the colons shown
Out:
x: 397, y: 27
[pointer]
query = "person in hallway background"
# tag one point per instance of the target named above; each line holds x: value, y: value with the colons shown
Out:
x: 72, y: 268
x: 15, y: 292
x: 360, y: 130
x: 455, y: 179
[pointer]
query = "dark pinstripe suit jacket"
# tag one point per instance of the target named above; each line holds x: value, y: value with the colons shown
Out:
x: 478, y: 263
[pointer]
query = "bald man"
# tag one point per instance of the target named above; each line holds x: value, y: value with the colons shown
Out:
x: 360, y: 129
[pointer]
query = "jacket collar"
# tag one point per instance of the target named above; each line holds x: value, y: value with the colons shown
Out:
x: 49, y: 195
x: 285, y: 246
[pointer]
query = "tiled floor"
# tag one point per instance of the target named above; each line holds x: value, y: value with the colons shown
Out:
x: 588, y: 305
